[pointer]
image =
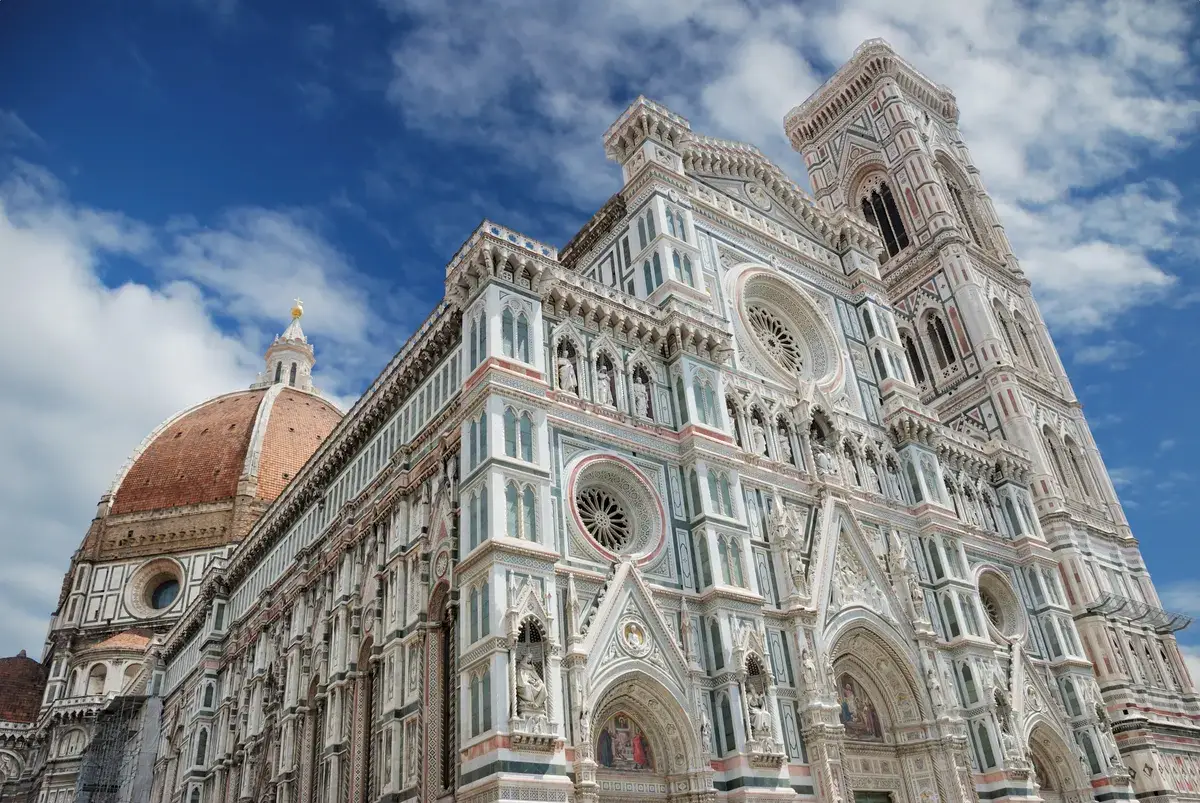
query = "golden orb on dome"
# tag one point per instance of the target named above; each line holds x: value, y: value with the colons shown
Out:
x: 297, y: 309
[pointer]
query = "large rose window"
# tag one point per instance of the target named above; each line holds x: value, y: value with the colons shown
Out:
x: 781, y: 331
x: 616, y: 509
x: 775, y: 336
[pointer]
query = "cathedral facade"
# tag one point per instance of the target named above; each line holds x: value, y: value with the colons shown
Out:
x: 743, y: 494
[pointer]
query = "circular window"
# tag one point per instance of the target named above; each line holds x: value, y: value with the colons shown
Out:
x: 615, y: 509
x: 781, y: 332
x: 776, y: 337
x: 164, y: 594
x: 1000, y: 604
x: 603, y: 518
x: 154, y: 588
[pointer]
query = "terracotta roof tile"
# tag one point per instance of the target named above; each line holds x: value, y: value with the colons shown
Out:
x: 298, y: 424
x: 197, y: 459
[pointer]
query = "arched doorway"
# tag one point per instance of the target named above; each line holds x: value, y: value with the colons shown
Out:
x: 1057, y: 775
x: 881, y: 707
x: 640, y: 745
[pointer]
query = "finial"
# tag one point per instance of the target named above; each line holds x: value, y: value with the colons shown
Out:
x: 297, y: 308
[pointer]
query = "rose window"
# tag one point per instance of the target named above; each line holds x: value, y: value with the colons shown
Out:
x: 992, y: 609
x: 776, y: 337
x: 603, y: 518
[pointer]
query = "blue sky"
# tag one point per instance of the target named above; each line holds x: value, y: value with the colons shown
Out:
x: 172, y: 174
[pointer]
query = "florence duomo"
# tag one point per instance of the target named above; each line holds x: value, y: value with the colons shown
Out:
x: 745, y: 493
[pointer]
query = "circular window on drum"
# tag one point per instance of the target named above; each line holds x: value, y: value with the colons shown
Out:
x: 154, y: 587
x: 776, y: 337
x: 615, y: 508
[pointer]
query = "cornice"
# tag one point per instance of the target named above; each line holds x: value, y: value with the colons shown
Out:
x: 872, y: 62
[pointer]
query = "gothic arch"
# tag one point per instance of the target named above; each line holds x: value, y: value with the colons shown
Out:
x: 866, y: 641
x: 1050, y: 752
x: 673, y: 731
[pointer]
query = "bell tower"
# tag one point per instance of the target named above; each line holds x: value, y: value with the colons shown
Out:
x: 881, y: 141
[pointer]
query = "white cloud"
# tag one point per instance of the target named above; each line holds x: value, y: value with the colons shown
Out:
x: 1058, y: 104
x: 91, y: 368
x: 1182, y: 596
x: 1191, y: 657
x: 1114, y: 354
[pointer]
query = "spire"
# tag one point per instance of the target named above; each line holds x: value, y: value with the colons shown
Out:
x: 289, y: 359
x: 293, y: 332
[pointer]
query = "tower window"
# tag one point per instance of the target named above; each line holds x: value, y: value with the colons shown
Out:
x: 939, y: 338
x: 914, y: 358
x: 292, y: 376
x: 879, y: 209
x: 960, y: 207
x: 278, y: 371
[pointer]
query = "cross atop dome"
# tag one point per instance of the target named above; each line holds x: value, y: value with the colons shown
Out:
x: 290, y: 358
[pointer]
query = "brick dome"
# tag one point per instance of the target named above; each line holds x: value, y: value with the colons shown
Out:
x: 203, y: 455
x: 22, y: 680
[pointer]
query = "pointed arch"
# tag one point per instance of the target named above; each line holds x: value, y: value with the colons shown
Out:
x: 875, y: 654
x: 657, y: 710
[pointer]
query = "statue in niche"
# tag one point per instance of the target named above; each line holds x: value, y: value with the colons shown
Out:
x: 808, y: 669
x: 705, y: 730
x: 641, y: 398
x: 758, y: 437
x: 785, y: 447
x: 825, y: 462
x: 760, y: 715
x: 585, y: 724
x: 935, y: 690
x: 531, y: 689
x: 604, y: 394
x: 566, y: 375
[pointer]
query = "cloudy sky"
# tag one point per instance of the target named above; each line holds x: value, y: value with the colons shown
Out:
x: 172, y: 174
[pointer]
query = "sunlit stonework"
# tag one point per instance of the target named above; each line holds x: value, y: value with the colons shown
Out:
x: 743, y: 494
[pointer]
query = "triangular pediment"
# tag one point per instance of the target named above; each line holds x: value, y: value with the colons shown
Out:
x: 852, y: 575
x: 760, y: 199
x: 629, y: 633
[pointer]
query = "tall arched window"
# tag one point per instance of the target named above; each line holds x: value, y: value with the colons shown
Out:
x: 529, y: 512
x: 525, y: 431
x: 960, y: 208
x: 1055, y: 459
x: 1027, y: 341
x: 987, y: 756
x: 510, y: 432
x: 292, y: 376
x: 201, y: 747
x: 474, y: 343
x: 879, y: 208
x: 671, y: 222
x: 939, y: 339
x: 915, y: 365
x: 1075, y: 459
x: 1005, y: 330
x: 523, y: 338
x: 279, y: 371
x: 508, y: 333
x: 473, y: 607
x: 658, y: 279
x: 650, y: 232
x: 727, y: 724
x: 512, y: 507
